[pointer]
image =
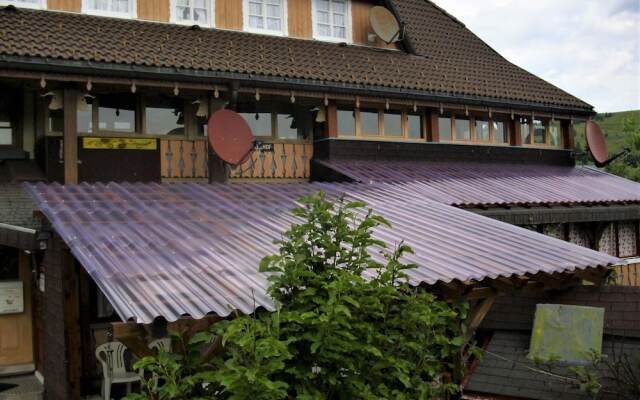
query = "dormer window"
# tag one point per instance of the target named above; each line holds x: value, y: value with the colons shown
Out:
x: 331, y: 20
x: 192, y: 12
x: 265, y: 16
x: 110, y: 8
x: 25, y: 3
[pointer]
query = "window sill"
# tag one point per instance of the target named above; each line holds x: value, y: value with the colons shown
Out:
x: 333, y: 39
x: 265, y: 32
x: 192, y: 23
x: 39, y: 6
x: 110, y: 14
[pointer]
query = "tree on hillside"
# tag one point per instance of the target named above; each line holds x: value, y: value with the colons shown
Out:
x: 629, y: 165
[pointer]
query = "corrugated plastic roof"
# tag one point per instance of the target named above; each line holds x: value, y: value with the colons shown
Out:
x: 468, y: 184
x: 192, y: 249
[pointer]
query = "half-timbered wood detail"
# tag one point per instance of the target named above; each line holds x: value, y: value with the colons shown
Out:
x: 300, y: 24
x: 65, y: 5
x: 154, y: 10
x: 229, y: 14
x: 281, y: 161
x: 183, y: 159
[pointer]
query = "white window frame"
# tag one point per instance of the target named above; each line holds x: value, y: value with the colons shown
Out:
x: 348, y: 24
x: 211, y: 17
x: 132, y: 14
x: 285, y: 18
x: 39, y: 4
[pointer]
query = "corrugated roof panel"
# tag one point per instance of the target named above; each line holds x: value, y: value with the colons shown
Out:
x: 191, y: 249
x: 467, y: 184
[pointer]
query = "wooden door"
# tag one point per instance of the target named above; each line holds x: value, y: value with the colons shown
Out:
x: 16, y: 330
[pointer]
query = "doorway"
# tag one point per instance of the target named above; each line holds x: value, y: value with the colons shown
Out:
x: 16, y: 319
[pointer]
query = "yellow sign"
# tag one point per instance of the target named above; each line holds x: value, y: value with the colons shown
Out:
x: 105, y: 143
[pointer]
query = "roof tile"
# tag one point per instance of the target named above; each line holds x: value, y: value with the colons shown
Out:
x: 472, y: 68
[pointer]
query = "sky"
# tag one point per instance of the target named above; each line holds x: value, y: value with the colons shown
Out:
x: 590, y: 48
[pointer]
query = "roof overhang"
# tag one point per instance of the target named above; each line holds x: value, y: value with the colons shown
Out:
x: 18, y: 237
x: 130, y: 71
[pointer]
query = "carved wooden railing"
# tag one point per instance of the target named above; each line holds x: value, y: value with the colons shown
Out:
x: 277, y: 161
x: 188, y: 159
x: 183, y: 159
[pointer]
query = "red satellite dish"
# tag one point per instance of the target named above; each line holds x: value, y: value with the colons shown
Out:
x: 230, y: 136
x: 597, y: 144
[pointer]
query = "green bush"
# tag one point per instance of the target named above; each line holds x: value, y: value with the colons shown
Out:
x: 336, y: 335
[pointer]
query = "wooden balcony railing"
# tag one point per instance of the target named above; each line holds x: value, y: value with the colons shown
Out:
x: 187, y: 159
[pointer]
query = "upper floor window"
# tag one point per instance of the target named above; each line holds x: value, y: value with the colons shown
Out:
x: 25, y: 3
x: 110, y: 8
x: 192, y: 12
x: 265, y: 16
x: 331, y: 20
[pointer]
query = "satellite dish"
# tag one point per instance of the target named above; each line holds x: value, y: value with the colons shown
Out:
x: 598, y: 146
x: 230, y: 136
x: 384, y: 24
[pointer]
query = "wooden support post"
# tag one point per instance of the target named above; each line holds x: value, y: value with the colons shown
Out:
x: 479, y: 312
x: 70, y: 137
x: 332, y: 120
x: 433, y: 134
x: 72, y: 327
x: 569, y: 135
x: 516, y: 132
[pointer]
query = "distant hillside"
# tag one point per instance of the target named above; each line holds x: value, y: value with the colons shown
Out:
x: 611, y: 124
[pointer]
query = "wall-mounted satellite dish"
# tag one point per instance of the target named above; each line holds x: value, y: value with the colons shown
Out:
x: 230, y: 136
x: 598, y: 146
x: 384, y: 24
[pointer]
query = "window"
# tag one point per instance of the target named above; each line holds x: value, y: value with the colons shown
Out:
x: 414, y: 126
x: 25, y: 3
x: 110, y: 8
x: 444, y: 128
x: 6, y: 131
x: 259, y: 122
x: 346, y: 123
x: 164, y: 116
x: 192, y: 12
x: 331, y: 20
x: 369, y: 123
x: 117, y: 113
x: 500, y: 132
x: 393, y: 123
x: 463, y: 129
x: 525, y: 130
x: 265, y: 16
x: 539, y: 132
x: 482, y: 130
x: 85, y: 114
x: 556, y: 134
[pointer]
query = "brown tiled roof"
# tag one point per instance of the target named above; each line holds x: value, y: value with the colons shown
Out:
x: 467, y: 64
x: 451, y: 61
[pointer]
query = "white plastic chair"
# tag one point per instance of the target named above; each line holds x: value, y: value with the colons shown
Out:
x: 157, y: 345
x: 161, y: 344
x: 111, y: 356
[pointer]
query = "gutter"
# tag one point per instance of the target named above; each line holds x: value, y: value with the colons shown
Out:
x: 53, y: 65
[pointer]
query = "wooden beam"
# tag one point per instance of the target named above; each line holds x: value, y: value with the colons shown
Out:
x: 479, y: 312
x: 480, y: 293
x: 433, y: 133
x: 70, y: 137
x: 332, y: 119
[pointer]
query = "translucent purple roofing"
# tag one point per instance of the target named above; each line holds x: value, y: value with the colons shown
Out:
x: 194, y: 249
x: 467, y: 184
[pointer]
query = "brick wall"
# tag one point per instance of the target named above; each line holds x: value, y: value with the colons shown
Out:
x: 54, y: 346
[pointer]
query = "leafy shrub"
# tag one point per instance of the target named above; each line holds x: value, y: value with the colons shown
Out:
x: 336, y: 334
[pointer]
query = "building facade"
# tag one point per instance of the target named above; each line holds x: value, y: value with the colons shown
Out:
x: 106, y: 103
